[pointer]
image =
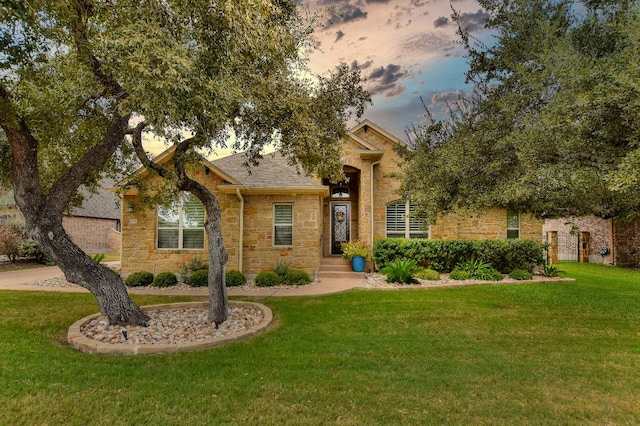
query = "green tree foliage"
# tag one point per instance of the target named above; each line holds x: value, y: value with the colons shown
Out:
x: 553, y: 126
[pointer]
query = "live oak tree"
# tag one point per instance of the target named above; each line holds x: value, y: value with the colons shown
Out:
x: 553, y: 126
x: 81, y: 79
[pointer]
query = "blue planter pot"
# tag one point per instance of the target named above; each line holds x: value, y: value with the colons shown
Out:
x: 357, y: 262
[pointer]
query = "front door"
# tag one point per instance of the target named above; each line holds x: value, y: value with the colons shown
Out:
x: 340, y: 224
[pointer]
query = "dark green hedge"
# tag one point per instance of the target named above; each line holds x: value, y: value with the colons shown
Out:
x: 444, y: 255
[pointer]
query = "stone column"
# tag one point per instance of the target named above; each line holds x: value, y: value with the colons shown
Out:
x: 584, y: 247
x: 552, y: 239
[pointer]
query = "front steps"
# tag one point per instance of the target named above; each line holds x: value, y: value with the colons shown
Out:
x: 337, y: 267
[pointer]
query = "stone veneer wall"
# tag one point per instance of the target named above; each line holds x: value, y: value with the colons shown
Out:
x: 259, y: 252
x: 384, y: 184
x: 492, y: 224
x: 89, y: 233
x: 139, y: 252
x: 626, y: 243
x: 139, y: 236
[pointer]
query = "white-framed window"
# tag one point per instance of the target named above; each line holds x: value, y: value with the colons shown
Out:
x: 181, y: 224
x: 283, y: 224
x: 513, y: 224
x: 403, y: 225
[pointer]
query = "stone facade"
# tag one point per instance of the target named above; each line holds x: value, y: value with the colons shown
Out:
x: 370, y: 152
x: 247, y: 203
x: 139, y: 232
x: 487, y: 225
x: 259, y: 252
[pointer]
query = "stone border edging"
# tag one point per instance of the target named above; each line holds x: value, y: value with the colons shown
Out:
x: 79, y: 341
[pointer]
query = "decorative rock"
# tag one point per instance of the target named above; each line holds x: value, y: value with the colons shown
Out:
x: 168, y: 326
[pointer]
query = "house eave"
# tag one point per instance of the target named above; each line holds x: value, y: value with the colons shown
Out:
x: 373, y: 155
x: 245, y: 190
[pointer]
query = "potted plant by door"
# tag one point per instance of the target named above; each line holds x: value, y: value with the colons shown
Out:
x: 356, y: 251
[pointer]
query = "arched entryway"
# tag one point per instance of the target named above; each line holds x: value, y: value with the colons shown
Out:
x: 341, y: 211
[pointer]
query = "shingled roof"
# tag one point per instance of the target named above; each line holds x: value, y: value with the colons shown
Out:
x: 272, y: 172
x: 103, y: 204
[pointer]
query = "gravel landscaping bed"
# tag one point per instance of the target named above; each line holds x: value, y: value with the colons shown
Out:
x: 380, y: 281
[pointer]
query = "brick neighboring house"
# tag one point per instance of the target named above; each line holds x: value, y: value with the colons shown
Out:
x: 582, y: 239
x: 94, y: 227
x: 275, y: 214
x: 596, y: 240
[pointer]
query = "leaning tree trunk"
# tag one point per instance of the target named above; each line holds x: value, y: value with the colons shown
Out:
x: 107, y: 286
x: 218, y: 300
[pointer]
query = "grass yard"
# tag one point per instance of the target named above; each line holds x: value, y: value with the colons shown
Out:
x: 505, y: 354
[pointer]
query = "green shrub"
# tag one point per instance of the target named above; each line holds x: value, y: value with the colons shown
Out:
x: 520, y: 274
x: 165, y: 279
x: 235, y: 278
x: 138, y: 279
x: 267, y: 279
x: 98, y: 257
x: 199, y: 278
x: 443, y: 256
x: 31, y: 250
x: 459, y: 274
x: 281, y: 268
x: 192, y: 265
x: 428, y: 274
x: 297, y: 277
x: 401, y: 271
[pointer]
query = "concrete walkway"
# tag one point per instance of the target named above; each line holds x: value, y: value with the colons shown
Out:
x: 22, y: 279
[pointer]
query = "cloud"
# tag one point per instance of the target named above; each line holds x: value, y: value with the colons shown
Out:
x: 364, y: 66
x: 428, y: 42
x: 473, y: 22
x: 443, y: 99
x: 384, y: 81
x: 451, y: 100
x: 442, y: 21
x: 343, y: 14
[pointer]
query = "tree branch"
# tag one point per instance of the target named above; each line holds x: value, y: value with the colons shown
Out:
x: 85, y: 10
x: 24, y: 149
x: 92, y: 160
x: 142, y: 155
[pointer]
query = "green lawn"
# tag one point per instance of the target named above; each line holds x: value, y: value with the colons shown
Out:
x: 505, y: 354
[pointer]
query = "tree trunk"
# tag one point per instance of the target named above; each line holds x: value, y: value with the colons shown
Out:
x: 218, y: 300
x: 107, y: 286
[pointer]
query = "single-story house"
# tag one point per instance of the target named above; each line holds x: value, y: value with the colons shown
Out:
x: 272, y: 213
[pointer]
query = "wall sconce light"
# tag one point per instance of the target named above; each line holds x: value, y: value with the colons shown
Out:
x: 131, y: 207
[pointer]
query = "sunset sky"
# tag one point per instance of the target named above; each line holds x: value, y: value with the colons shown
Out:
x: 406, y: 50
